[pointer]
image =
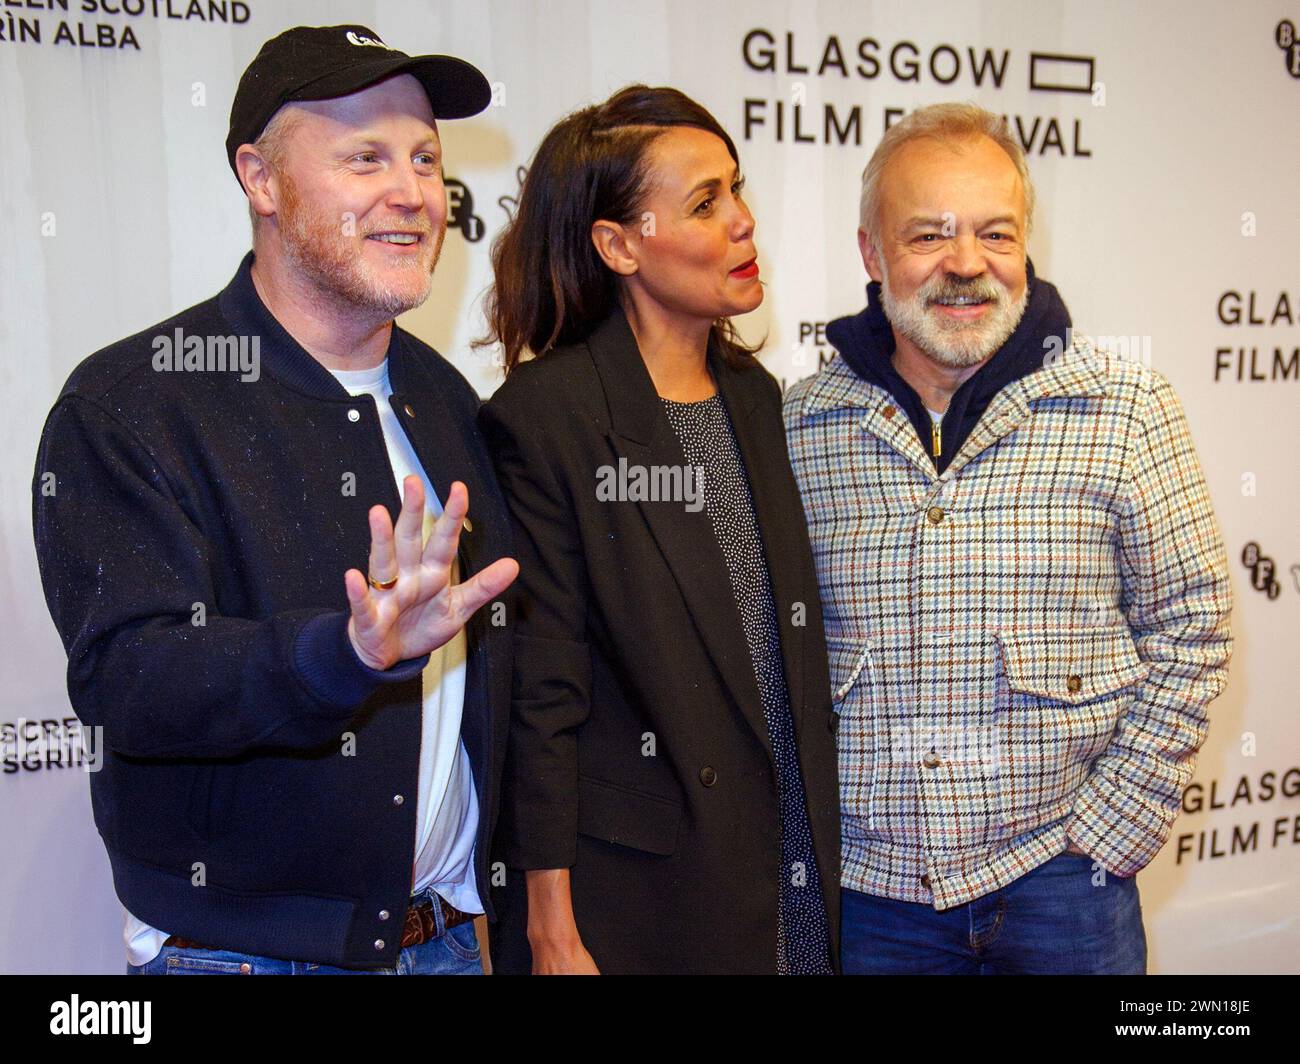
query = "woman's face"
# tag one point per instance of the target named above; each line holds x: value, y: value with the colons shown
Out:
x: 693, y: 246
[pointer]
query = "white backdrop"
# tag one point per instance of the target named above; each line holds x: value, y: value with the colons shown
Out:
x: 1167, y: 217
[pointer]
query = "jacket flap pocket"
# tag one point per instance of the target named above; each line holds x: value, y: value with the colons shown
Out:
x: 848, y: 662
x: 630, y: 818
x: 1071, y: 664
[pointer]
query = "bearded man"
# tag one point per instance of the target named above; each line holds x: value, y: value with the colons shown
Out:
x: 1024, y: 586
x: 298, y: 703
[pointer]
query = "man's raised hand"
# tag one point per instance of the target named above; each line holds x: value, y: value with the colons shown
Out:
x: 423, y: 609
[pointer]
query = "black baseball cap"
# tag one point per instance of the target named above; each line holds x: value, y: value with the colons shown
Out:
x: 322, y: 62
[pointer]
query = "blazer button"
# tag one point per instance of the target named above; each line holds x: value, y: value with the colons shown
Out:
x: 383, y: 914
x: 354, y: 415
x: 708, y: 776
x: 409, y: 411
x: 887, y: 413
x: 398, y: 799
x: 931, y: 760
x: 934, y: 514
x: 1074, y: 683
x: 379, y: 943
x: 925, y: 882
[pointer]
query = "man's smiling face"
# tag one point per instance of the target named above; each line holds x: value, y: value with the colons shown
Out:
x: 949, y: 249
x: 360, y: 210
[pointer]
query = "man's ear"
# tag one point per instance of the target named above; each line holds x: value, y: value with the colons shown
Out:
x: 870, y: 256
x: 258, y: 180
x: 610, y: 240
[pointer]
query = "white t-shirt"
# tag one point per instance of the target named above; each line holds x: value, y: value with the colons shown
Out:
x: 446, y: 816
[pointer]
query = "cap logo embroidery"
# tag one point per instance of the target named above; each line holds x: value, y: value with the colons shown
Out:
x: 356, y: 38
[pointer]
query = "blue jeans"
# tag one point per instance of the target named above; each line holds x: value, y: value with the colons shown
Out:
x: 454, y: 952
x: 1051, y: 921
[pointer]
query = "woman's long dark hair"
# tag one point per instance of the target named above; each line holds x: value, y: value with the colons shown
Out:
x: 550, y: 286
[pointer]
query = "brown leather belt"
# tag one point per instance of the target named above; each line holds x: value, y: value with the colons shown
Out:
x: 419, y: 926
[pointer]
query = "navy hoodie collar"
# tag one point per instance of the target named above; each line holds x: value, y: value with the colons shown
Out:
x: 865, y: 341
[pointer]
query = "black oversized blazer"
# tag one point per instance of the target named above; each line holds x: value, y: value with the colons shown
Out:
x: 638, y: 755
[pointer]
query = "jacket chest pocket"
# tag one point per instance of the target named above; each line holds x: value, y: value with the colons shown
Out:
x: 1060, y: 697
x: 857, y: 736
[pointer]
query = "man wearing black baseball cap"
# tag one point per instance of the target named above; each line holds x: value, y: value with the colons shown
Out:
x: 299, y: 701
x: 325, y: 62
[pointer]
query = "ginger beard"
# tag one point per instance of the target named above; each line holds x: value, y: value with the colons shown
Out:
x: 956, y: 344
x: 314, y: 243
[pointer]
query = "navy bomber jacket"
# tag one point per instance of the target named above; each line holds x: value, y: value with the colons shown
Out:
x: 258, y: 790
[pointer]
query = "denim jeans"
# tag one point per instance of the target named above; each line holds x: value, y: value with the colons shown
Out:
x: 454, y: 952
x: 1051, y: 921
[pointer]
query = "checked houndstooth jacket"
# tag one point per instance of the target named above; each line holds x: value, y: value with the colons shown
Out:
x: 1023, y: 647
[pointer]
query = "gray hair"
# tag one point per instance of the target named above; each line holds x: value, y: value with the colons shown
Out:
x: 947, y: 122
x: 271, y: 144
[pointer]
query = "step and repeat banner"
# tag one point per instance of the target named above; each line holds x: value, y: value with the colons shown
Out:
x: 1162, y: 141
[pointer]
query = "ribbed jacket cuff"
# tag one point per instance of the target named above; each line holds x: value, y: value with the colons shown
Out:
x: 330, y: 669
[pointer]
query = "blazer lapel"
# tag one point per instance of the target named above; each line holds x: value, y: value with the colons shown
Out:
x: 778, y: 509
x: 640, y: 433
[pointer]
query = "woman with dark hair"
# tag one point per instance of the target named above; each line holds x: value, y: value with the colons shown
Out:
x: 670, y: 799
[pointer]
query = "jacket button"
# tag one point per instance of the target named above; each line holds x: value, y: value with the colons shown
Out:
x: 379, y: 943
x: 383, y: 914
x: 925, y: 882
x: 398, y: 799
x: 708, y: 776
x: 354, y: 415
x: 887, y: 413
x: 934, y: 514
x: 245, y: 968
x: 1074, y: 683
x: 931, y: 760
x: 409, y: 411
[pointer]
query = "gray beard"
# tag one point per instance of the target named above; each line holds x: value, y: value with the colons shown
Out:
x: 956, y: 345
